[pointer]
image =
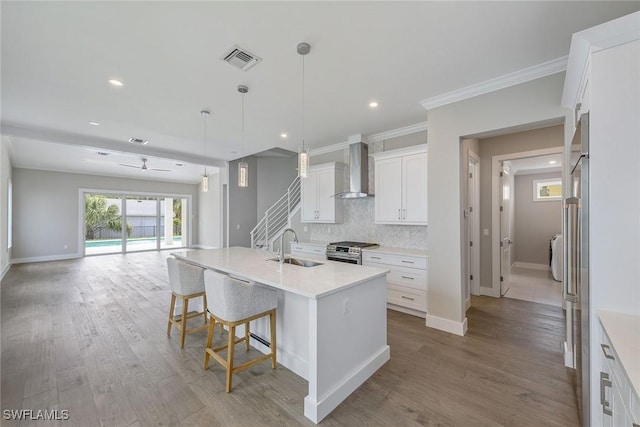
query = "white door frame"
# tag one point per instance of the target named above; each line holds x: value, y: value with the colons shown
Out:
x: 494, y: 291
x: 474, y: 235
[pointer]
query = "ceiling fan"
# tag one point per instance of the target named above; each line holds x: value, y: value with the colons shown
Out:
x: 144, y: 167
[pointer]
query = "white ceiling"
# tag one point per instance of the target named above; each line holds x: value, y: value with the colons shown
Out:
x: 58, y: 56
x: 538, y: 164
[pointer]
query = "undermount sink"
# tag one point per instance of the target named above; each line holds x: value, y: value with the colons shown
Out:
x: 299, y: 262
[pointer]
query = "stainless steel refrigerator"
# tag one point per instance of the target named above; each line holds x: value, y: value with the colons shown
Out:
x: 576, y: 271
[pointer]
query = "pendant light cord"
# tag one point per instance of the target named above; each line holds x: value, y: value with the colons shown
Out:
x: 205, y: 142
x: 303, y: 103
x: 243, y: 127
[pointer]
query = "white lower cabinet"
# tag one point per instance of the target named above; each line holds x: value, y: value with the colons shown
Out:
x: 309, y: 250
x: 406, y: 280
x: 619, y: 403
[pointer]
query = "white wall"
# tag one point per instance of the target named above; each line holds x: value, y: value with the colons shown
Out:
x: 5, y: 177
x: 46, y: 209
x: 534, y: 101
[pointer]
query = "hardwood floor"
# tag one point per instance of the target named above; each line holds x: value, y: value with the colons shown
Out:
x: 89, y: 336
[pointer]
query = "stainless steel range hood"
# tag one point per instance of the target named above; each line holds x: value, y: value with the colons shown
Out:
x: 358, y: 170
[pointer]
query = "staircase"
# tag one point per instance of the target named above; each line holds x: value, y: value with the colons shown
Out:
x: 277, y: 218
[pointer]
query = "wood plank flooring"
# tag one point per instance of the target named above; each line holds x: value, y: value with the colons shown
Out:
x: 89, y: 336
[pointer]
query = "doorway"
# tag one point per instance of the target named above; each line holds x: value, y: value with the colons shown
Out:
x: 116, y: 222
x: 529, y: 213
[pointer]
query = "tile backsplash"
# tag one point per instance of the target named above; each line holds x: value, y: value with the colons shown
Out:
x: 359, y: 225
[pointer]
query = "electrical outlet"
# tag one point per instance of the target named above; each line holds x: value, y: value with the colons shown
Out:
x: 306, y: 228
x: 328, y: 229
x: 486, y: 232
x: 65, y: 247
x: 238, y: 226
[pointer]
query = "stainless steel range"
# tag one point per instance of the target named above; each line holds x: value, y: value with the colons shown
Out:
x: 350, y: 252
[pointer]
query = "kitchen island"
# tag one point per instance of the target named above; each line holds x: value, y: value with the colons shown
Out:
x: 331, y: 319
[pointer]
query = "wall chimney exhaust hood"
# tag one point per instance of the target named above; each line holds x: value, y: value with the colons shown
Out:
x: 358, y: 170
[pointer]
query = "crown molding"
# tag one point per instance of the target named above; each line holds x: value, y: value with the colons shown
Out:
x: 329, y: 148
x: 522, y: 76
x: 619, y: 31
x: 406, y: 130
x: 376, y: 137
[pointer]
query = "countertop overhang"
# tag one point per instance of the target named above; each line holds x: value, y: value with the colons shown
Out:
x: 254, y: 264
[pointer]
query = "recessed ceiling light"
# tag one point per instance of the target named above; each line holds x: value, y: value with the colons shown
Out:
x: 115, y: 82
x: 138, y: 141
x: 373, y: 104
x: 552, y: 162
x: 283, y: 135
x: 94, y: 123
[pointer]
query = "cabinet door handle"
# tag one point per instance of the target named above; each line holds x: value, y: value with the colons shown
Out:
x: 399, y: 214
x: 408, y: 262
x: 375, y: 257
x: 604, y: 350
x: 407, y: 277
x: 404, y: 214
x: 604, y: 383
x: 411, y: 299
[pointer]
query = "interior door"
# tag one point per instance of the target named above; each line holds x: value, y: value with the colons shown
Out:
x: 506, y: 192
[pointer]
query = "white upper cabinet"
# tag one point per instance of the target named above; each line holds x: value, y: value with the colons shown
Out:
x: 401, y: 186
x: 318, y: 189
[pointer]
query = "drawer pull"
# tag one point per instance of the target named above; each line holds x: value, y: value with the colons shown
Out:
x: 604, y: 350
x: 407, y: 277
x: 408, y: 262
x: 375, y: 257
x: 605, y: 382
x: 409, y: 298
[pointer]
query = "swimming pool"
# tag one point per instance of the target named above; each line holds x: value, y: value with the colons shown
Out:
x: 138, y: 241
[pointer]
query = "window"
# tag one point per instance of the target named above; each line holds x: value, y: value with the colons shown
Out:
x: 547, y: 190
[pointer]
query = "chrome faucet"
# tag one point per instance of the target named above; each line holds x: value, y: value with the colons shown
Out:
x: 295, y: 240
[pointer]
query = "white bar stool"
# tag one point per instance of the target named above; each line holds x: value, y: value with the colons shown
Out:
x: 186, y: 282
x: 235, y: 302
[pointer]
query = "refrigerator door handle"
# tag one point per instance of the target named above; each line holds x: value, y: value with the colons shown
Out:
x: 604, y: 383
x: 570, y: 285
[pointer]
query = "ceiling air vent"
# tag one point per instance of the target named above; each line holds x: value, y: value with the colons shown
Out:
x: 138, y: 141
x: 240, y: 58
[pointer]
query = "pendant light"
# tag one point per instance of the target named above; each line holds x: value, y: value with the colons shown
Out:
x: 205, y: 177
x: 243, y: 167
x: 303, y: 151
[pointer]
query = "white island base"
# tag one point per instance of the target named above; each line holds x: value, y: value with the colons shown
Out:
x: 333, y: 336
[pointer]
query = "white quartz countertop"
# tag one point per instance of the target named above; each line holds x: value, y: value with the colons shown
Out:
x: 253, y: 264
x: 398, y: 251
x: 623, y: 331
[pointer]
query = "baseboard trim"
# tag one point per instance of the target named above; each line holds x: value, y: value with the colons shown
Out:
x: 467, y: 304
x: 568, y: 355
x: 45, y: 258
x: 457, y: 328
x: 317, y: 410
x: 5, y: 270
x: 489, y: 292
x: 531, y: 265
x: 204, y: 247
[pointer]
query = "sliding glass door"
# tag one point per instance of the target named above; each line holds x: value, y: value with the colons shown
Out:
x: 102, y: 224
x: 132, y: 222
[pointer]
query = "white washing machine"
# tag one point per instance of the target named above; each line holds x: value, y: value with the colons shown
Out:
x: 557, y: 255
